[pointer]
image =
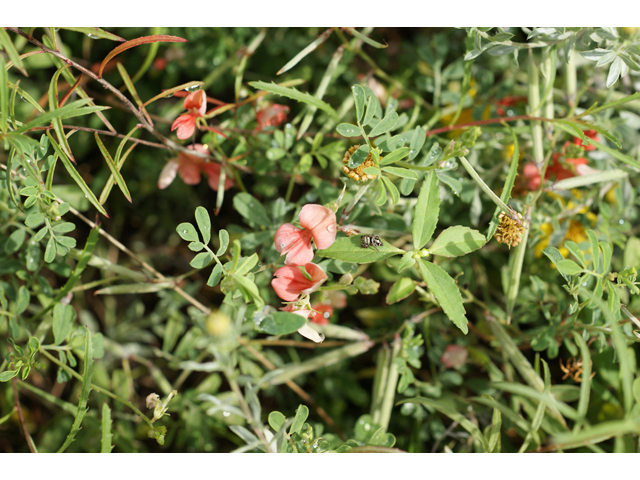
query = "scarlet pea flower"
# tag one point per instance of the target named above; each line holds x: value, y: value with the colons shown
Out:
x: 592, y: 134
x: 319, y: 224
x: 271, y: 115
x: 290, y: 282
x: 322, y: 313
x: 196, y: 104
x: 190, y: 167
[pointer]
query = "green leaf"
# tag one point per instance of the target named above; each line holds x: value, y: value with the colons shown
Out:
x: 204, y: 224
x: 359, y: 156
x: 614, y: 72
x: 84, y: 392
x: 427, y: 211
x: 569, y: 267
x: 4, y: 98
x: 364, y: 38
x: 115, y: 171
x: 187, y: 232
x: 95, y: 32
x: 302, y: 413
x: 251, y: 209
x: 107, y: 436
x: 76, y: 176
x: 387, y: 123
x: 85, y: 256
x: 306, y: 51
x: 446, y: 292
x: 584, y: 180
x: 372, y: 104
x: 400, y: 290
x: 10, y: 49
x: 15, y: 241
x: 224, y: 242
x: 22, y: 301
x: 201, y: 260
x: 417, y: 142
x: 457, y: 241
x: 294, y: 94
x: 63, y: 320
x: 249, y: 289
x: 70, y: 110
x: 401, y: 172
x: 34, y: 219
x: 407, y: 261
x: 8, y: 374
x: 276, y: 420
x: 215, y: 276
x: 280, y: 323
x: 359, y: 98
x: 556, y: 257
x: 395, y: 156
x: 393, y: 190
x: 349, y: 249
x: 348, y: 130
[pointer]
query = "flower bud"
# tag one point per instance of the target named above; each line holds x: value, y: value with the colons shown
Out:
x: 346, y: 279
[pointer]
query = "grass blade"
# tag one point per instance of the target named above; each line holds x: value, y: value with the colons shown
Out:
x: 84, y: 393
x: 365, y: 39
x: 57, y: 121
x: 508, y: 185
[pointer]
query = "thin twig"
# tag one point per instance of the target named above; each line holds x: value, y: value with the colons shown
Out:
x: 21, y: 416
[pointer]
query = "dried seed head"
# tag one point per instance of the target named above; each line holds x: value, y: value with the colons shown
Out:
x: 509, y: 231
x: 357, y: 174
x: 152, y: 400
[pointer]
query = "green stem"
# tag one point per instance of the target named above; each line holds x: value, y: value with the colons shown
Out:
x: 485, y: 188
x: 96, y: 387
x: 571, y: 80
x: 287, y: 197
x: 390, y: 387
x: 416, y: 167
x: 534, y: 100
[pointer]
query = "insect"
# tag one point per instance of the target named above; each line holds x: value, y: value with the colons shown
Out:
x: 372, y: 241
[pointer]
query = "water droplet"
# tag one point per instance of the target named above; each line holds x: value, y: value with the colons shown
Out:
x: 509, y: 113
x: 621, y: 221
x: 367, y: 427
x: 226, y: 414
x: 184, y: 231
x: 584, y: 284
x: 95, y: 37
x: 282, y: 245
x: 22, y: 98
x: 331, y: 228
x: 193, y: 88
x: 326, y: 315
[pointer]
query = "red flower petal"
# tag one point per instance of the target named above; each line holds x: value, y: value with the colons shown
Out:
x: 321, y: 222
x: 196, y: 102
x: 185, y: 124
x: 168, y: 174
x: 295, y: 243
x: 289, y: 282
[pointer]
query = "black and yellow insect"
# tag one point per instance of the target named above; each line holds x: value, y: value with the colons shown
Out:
x: 372, y: 241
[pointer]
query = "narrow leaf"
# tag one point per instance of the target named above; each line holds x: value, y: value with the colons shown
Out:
x: 294, y: 94
x: 134, y: 43
x: 113, y: 167
x: 386, y: 124
x: 76, y: 176
x: 95, y: 32
x: 107, y: 436
x: 427, y: 211
x: 84, y: 392
x: 306, y: 51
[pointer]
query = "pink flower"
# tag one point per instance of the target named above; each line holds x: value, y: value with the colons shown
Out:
x: 319, y: 224
x: 190, y: 167
x: 196, y: 104
x: 454, y: 356
x: 272, y: 115
x: 290, y: 282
